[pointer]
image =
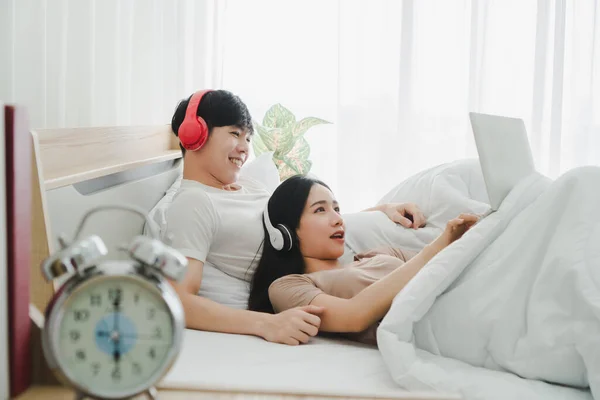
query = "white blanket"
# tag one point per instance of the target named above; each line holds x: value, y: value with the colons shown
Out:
x: 519, y: 293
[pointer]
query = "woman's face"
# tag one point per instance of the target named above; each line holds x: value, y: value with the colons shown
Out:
x: 321, y: 229
x: 224, y: 153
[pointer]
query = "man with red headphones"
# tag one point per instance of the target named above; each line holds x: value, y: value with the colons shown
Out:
x: 216, y: 221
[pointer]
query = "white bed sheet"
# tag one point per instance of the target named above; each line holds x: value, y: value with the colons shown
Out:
x: 218, y: 361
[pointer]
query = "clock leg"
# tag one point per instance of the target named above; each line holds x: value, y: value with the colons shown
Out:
x: 152, y: 393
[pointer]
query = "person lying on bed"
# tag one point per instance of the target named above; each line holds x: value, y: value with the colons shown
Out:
x: 216, y: 222
x: 354, y: 297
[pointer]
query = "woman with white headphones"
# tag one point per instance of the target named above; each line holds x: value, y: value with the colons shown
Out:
x: 300, y: 263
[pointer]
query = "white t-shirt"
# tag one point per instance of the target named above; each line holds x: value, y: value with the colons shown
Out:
x: 224, y: 230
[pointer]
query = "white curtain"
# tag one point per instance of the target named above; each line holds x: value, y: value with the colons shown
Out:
x: 77, y: 63
x: 398, y: 78
x: 395, y: 78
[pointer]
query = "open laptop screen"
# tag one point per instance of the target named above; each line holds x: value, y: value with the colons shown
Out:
x: 504, y: 153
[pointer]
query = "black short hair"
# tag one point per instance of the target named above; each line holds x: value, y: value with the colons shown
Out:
x: 217, y: 108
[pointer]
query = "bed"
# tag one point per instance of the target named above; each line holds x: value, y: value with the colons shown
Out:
x: 76, y: 169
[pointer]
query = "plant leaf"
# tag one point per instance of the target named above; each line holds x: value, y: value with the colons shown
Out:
x: 282, y: 169
x: 286, y: 172
x: 305, y: 124
x: 293, y: 167
x: 261, y: 132
x: 278, y: 117
x: 287, y: 141
x: 300, y: 151
x: 272, y: 138
x: 258, y: 145
x: 278, y: 162
x: 296, y: 161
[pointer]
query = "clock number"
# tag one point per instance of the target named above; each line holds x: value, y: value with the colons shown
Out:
x: 136, y: 298
x: 137, y: 369
x: 95, y: 368
x: 80, y: 354
x: 116, y: 374
x: 114, y: 294
x: 75, y: 335
x: 151, y: 313
x: 157, y: 333
x: 81, y: 315
x: 95, y: 300
x: 152, y: 353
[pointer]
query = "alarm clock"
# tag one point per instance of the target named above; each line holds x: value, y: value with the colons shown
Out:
x: 114, y: 328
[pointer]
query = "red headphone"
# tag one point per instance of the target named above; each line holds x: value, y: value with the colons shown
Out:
x: 193, y: 131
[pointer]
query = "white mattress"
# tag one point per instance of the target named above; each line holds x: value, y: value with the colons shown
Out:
x: 245, y: 363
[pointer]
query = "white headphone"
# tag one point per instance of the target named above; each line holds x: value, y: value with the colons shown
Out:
x: 280, y: 237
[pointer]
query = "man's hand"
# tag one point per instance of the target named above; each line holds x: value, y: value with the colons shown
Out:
x: 406, y: 214
x: 292, y: 326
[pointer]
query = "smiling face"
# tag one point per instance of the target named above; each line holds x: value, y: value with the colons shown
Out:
x: 223, y: 155
x: 321, y: 229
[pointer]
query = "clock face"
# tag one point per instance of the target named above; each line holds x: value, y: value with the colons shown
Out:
x: 115, y: 336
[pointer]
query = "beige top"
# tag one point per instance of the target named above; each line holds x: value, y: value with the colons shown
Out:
x: 300, y: 290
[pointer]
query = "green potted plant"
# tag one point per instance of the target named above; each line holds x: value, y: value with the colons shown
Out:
x: 282, y: 134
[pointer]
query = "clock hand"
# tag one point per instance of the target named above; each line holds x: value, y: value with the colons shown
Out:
x: 116, y: 349
x: 116, y: 354
x: 117, y: 302
x: 115, y: 333
x: 116, y: 305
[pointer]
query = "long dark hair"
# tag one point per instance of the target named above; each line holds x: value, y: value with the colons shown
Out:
x: 285, y: 207
x: 217, y: 108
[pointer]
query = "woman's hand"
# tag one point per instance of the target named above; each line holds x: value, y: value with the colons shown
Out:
x: 406, y: 214
x: 456, y: 228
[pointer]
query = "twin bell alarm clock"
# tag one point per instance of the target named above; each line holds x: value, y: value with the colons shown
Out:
x: 114, y: 328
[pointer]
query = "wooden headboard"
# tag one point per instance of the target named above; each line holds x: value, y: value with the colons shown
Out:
x: 67, y: 157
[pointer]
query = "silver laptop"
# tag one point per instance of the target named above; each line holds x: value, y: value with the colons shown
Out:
x: 504, y: 154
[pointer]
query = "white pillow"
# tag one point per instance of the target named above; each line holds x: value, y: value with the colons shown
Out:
x: 262, y: 169
x: 441, y: 192
x: 157, y: 215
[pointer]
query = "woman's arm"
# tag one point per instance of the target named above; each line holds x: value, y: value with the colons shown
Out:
x: 372, y: 303
x: 293, y: 326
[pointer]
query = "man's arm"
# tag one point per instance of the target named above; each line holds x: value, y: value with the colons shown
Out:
x: 292, y: 327
x: 406, y: 214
